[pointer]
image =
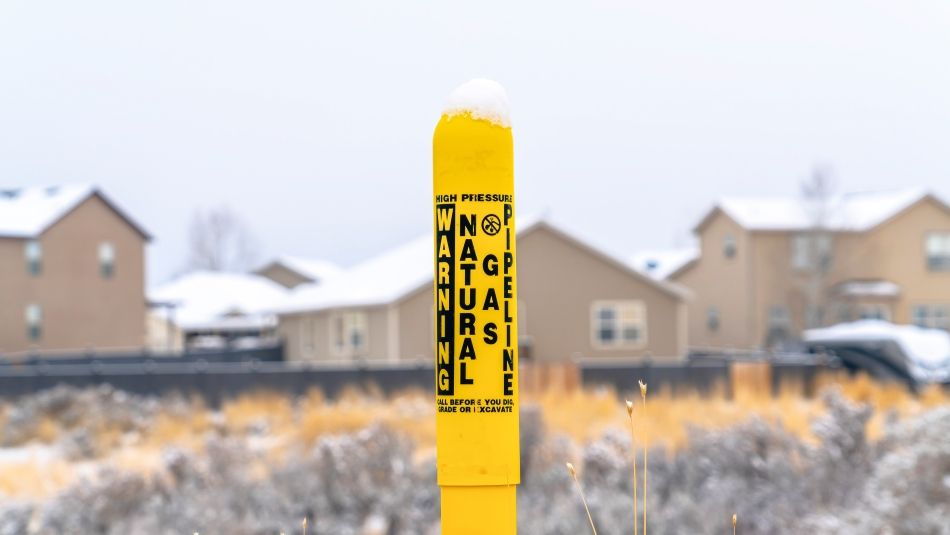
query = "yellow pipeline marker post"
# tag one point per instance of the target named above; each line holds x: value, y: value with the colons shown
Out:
x: 476, y: 363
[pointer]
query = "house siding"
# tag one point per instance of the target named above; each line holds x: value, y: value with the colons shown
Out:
x: 558, y: 281
x: 721, y: 282
x: 899, y: 253
x: 80, y: 308
x: 893, y: 251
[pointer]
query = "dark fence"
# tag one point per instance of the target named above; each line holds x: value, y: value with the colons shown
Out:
x: 217, y: 381
x: 677, y: 378
x: 214, y: 381
x: 272, y: 353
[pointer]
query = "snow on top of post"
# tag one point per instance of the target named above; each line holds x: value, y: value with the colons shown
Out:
x: 484, y: 99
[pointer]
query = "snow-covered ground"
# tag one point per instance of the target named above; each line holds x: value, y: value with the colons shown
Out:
x: 30, y: 453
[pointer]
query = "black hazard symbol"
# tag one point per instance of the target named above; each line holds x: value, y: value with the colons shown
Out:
x: 491, y: 224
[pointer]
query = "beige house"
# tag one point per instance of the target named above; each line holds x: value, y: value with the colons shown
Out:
x: 72, y: 272
x: 573, y: 301
x: 768, y: 269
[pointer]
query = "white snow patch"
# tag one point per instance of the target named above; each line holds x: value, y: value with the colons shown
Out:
x: 379, y: 280
x: 27, y: 212
x: 484, y: 99
x: 858, y: 211
x: 927, y: 349
x: 226, y: 300
x: 395, y: 274
x: 868, y: 288
x: 35, y: 453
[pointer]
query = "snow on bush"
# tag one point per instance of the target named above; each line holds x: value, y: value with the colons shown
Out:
x: 371, y: 482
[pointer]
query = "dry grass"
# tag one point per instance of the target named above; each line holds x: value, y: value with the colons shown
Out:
x: 260, y: 408
x: 281, y: 424
x: 34, y: 479
x: 585, y: 414
x: 183, y: 431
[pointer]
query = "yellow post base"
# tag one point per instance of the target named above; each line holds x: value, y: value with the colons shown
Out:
x: 486, y: 510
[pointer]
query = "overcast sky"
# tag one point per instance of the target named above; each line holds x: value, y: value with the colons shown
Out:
x: 313, y: 120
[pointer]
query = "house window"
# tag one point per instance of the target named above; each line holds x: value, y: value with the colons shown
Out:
x: 712, y: 319
x: 34, y: 322
x: 778, y: 316
x: 348, y: 336
x: 931, y: 316
x: 618, y: 324
x: 729, y: 246
x: 34, y: 257
x: 811, y: 251
x: 106, y: 260
x: 842, y: 312
x: 814, y: 316
x: 874, y: 311
x: 938, y: 251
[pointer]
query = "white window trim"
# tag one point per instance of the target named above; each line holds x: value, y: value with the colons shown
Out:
x: 621, y: 344
x: 106, y: 254
x: 930, y: 315
x: 779, y: 321
x: 936, y: 236
x: 33, y: 315
x: 862, y: 307
x: 801, y: 256
x: 810, y: 251
x: 713, y: 311
x: 347, y: 350
x: 730, y: 243
x: 33, y: 253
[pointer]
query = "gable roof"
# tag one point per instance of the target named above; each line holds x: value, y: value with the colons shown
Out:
x: 29, y: 212
x: 311, y: 268
x: 398, y: 272
x: 850, y: 212
x: 207, y: 298
x: 661, y: 264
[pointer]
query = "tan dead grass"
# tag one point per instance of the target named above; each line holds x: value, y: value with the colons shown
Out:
x: 271, y: 409
x: 280, y: 424
x: 35, y: 479
x: 585, y: 414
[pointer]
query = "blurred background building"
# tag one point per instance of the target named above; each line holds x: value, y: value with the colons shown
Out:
x: 72, y: 271
x: 767, y: 269
x: 573, y: 301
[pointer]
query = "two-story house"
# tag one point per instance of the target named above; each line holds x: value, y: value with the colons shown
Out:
x: 769, y: 268
x: 72, y: 271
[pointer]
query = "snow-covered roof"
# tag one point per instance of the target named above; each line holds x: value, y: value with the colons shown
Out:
x: 28, y: 212
x: 662, y: 263
x: 207, y: 299
x: 398, y: 272
x: 483, y: 99
x: 867, y: 288
x: 315, y: 269
x: 928, y: 350
x: 848, y: 212
x: 377, y: 281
